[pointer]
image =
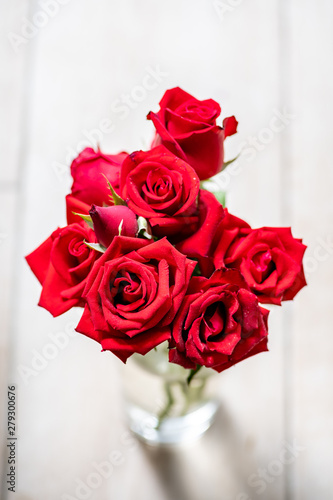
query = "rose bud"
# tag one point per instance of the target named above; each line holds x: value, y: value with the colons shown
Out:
x: 107, y: 220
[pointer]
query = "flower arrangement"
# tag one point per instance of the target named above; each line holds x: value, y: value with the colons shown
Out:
x: 152, y: 257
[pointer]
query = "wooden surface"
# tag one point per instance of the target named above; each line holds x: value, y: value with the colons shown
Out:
x: 258, y: 59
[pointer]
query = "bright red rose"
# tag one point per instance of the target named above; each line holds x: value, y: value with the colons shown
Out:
x: 218, y: 324
x: 269, y: 258
x: 228, y: 229
x: 187, y: 127
x: 89, y: 187
x: 198, y: 245
x: 133, y: 293
x: 62, y: 264
x: 162, y: 188
x: 107, y: 221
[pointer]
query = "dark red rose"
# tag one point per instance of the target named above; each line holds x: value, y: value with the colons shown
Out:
x: 107, y: 221
x: 198, y: 245
x: 218, y: 324
x: 90, y: 187
x: 187, y: 127
x: 133, y: 293
x: 269, y: 258
x: 162, y: 188
x: 62, y: 264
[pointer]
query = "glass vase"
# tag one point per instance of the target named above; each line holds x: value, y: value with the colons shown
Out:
x: 161, y: 406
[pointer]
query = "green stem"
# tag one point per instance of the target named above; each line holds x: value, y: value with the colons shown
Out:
x: 192, y: 373
x: 187, y: 397
x: 170, y: 402
x: 191, y: 394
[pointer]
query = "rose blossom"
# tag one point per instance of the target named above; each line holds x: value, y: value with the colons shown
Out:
x: 187, y: 127
x: 218, y: 324
x: 198, y: 245
x: 89, y: 186
x: 269, y: 258
x: 133, y: 293
x: 61, y: 264
x: 108, y: 220
x: 216, y: 225
x: 162, y: 188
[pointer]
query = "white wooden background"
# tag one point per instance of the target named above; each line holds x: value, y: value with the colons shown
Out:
x: 257, y: 58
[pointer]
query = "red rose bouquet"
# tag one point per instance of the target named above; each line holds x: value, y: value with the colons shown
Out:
x: 152, y: 257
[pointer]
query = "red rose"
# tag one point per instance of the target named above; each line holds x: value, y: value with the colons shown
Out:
x: 62, y: 264
x: 229, y: 228
x: 89, y: 187
x: 198, y: 245
x: 187, y: 127
x: 133, y: 293
x: 269, y: 258
x: 218, y: 324
x: 107, y: 221
x: 162, y: 188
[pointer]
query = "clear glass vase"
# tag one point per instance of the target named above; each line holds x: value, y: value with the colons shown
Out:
x: 161, y: 407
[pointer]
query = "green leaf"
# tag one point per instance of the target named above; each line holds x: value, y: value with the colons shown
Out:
x: 86, y: 218
x: 192, y: 373
x: 220, y: 196
x: 144, y: 229
x: 196, y: 271
x: 227, y: 163
x: 117, y: 200
x: 95, y: 246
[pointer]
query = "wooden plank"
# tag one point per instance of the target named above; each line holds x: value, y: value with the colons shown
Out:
x: 13, y: 56
x: 312, y: 178
x: 12, y: 90
x: 70, y: 411
x: 7, y: 244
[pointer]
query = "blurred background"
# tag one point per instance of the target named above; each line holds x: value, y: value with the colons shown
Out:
x: 74, y: 74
